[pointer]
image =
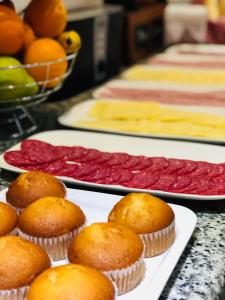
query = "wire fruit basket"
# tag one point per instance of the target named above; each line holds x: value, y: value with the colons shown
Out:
x: 15, y: 120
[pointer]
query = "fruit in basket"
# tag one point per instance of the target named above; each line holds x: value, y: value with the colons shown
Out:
x: 47, y: 52
x: 11, y: 31
x: 8, y: 3
x: 15, y: 82
x: 70, y: 40
x: 48, y: 18
x: 29, y: 36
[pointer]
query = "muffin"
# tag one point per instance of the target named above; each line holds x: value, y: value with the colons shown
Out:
x: 114, y: 249
x: 30, y: 186
x: 8, y: 217
x: 71, y: 282
x: 51, y: 222
x: 150, y: 217
x: 20, y: 262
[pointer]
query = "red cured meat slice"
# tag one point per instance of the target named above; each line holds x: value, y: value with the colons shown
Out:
x: 181, y: 183
x: 97, y: 175
x: 114, y: 177
x: 203, y: 187
x: 164, y: 182
x: 69, y: 170
x: 190, y: 166
x: 91, y: 155
x: 118, y: 159
x: 77, y: 153
x: 126, y: 176
x: 217, y: 170
x: 142, y: 179
x: 158, y: 164
x: 65, y: 151
x: 37, y: 167
x: 18, y: 158
x: 84, y: 170
x: 39, y: 151
x: 104, y: 157
x: 203, y: 169
x: 219, y: 180
x: 55, y: 167
x: 136, y: 163
x: 174, y: 166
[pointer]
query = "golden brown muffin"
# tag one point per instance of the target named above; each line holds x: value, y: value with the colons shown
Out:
x: 110, y: 248
x: 71, y: 282
x: 52, y: 222
x: 30, y: 186
x: 148, y: 216
x: 8, y: 217
x: 20, y: 262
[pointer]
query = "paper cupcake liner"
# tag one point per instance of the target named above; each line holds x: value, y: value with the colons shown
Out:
x: 158, y: 242
x: 14, y: 294
x: 14, y: 232
x: 56, y: 247
x: 128, y: 278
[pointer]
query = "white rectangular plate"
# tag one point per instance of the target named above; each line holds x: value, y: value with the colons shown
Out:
x: 80, y: 111
x: 131, y: 145
x: 96, y: 207
x: 214, y: 49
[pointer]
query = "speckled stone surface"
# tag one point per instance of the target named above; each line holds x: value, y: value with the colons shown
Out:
x: 200, y: 272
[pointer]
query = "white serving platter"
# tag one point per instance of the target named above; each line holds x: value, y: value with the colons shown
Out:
x: 79, y: 112
x: 97, y: 206
x: 131, y: 145
x: 214, y: 49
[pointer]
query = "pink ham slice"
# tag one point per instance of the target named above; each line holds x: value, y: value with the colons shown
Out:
x: 215, y: 98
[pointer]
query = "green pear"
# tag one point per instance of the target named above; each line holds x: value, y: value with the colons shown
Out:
x: 15, y: 81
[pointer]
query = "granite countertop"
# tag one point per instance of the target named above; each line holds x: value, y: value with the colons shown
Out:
x: 200, y: 272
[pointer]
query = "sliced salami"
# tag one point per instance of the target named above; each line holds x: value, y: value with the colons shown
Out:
x: 158, y: 164
x: 137, y: 163
x: 190, y: 166
x: 181, y: 183
x: 217, y: 170
x: 203, y: 169
x: 77, y: 153
x: 98, y: 174
x: 126, y: 175
x: 104, y: 157
x: 164, y: 182
x: 69, y: 170
x: 40, y: 152
x: 174, y: 166
x: 91, y: 155
x: 18, y: 158
x: 55, y: 167
x: 142, y: 179
x: 118, y: 159
x: 83, y: 170
x: 114, y: 177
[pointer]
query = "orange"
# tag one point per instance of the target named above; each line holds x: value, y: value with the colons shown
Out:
x: 11, y: 31
x: 29, y: 36
x: 8, y: 3
x: 48, y: 18
x: 46, y: 50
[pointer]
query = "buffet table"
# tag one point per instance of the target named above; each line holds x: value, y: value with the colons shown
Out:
x: 200, y: 272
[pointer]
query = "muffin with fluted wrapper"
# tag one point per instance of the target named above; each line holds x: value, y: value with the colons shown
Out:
x: 114, y: 249
x: 8, y: 217
x: 20, y: 262
x: 30, y: 186
x: 71, y: 282
x: 150, y: 217
x: 52, y: 223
